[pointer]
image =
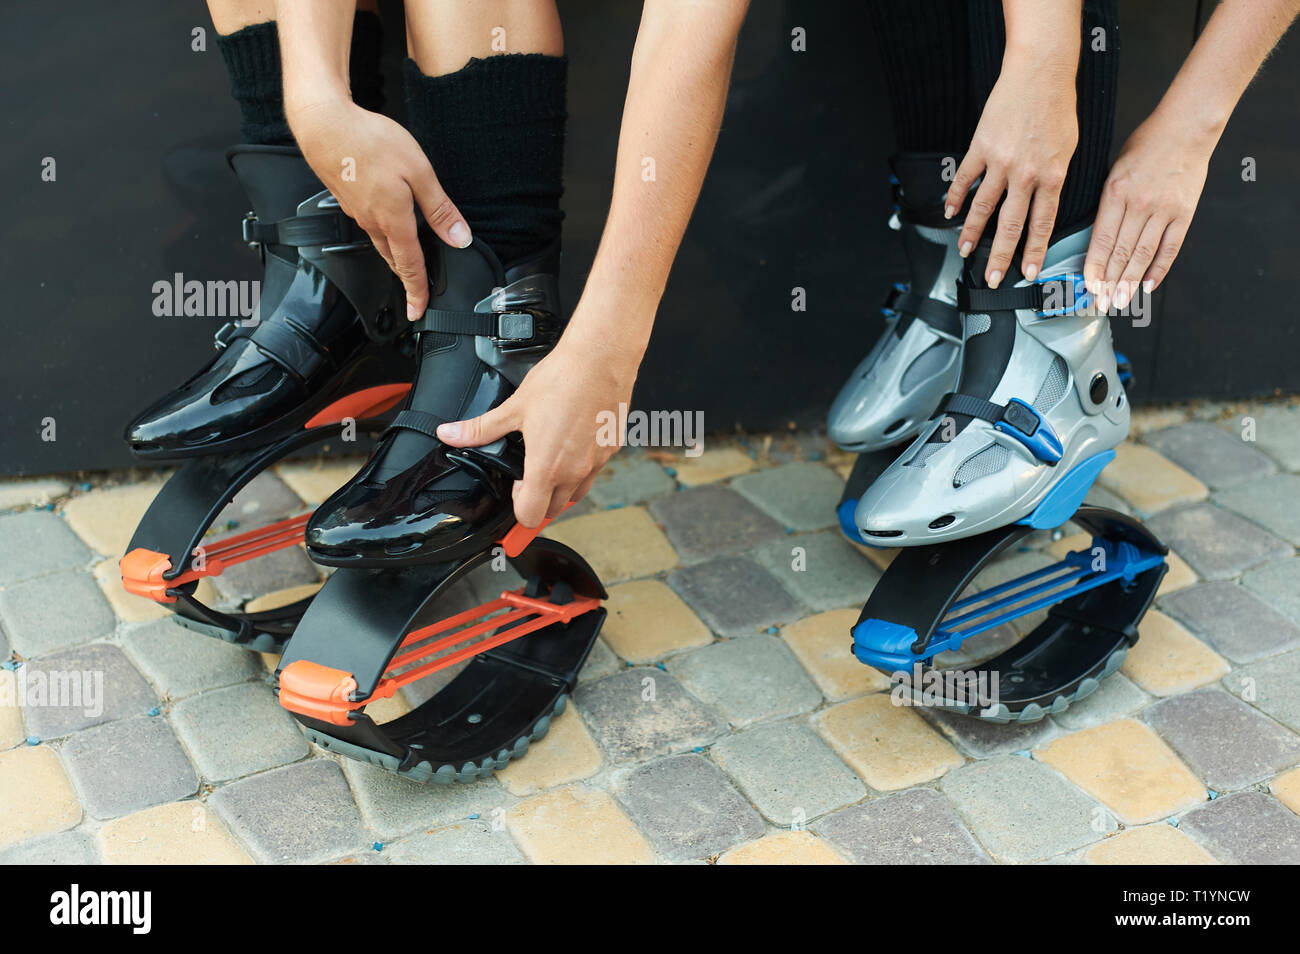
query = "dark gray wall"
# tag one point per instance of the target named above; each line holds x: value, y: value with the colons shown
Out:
x: 796, y: 196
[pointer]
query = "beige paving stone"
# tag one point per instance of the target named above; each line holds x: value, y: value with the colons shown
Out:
x: 35, y: 795
x: 619, y: 544
x: 1286, y: 788
x: 314, y: 480
x: 1149, y: 845
x: 127, y: 606
x: 386, y: 710
x: 566, y: 754
x: 280, y: 598
x: 1075, y: 541
x: 821, y: 643
x: 11, y: 712
x: 106, y: 519
x: 647, y: 621
x: 35, y: 492
x: 1168, y: 659
x: 1156, y: 419
x: 716, y: 463
x: 1149, y: 481
x: 784, y: 848
x: 889, y: 745
x: 181, y: 833
x: 577, y: 826
x: 879, y: 556
x: 1126, y: 766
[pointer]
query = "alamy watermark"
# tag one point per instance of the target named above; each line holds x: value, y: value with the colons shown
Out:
x: 651, y: 429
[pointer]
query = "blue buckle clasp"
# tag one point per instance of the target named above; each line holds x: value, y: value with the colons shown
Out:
x: 1070, y: 289
x: 1025, y: 424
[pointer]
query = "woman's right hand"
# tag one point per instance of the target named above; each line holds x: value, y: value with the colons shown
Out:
x: 380, y: 176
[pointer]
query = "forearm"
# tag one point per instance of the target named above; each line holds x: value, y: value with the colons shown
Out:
x: 676, y: 93
x: 1043, y: 35
x: 315, y: 37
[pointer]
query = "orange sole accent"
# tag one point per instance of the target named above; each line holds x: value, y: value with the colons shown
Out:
x: 368, y: 402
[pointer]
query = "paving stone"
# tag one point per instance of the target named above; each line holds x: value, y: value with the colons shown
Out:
x: 127, y: 606
x: 1270, y: 502
x: 277, y: 598
x: 303, y: 813
x: 180, y: 833
x: 35, y: 795
x: 748, y: 680
x: 1148, y: 481
x: 1127, y: 767
x: 629, y: 480
x: 1233, y: 621
x: 1277, y: 432
x: 393, y: 806
x: 236, y: 731
x: 601, y: 662
x: 784, y: 848
x: 1101, y: 497
x: 1148, y: 845
x: 788, y: 772
x: 916, y: 827
x: 1208, y: 453
x: 469, y: 843
x: 1248, y: 828
x: 54, y: 612
x: 128, y: 765
x: 266, y: 498
x: 982, y: 647
x: 735, y: 597
x: 1022, y: 811
x: 1278, y: 585
x: 890, y: 746
x: 1168, y: 659
x: 280, y: 570
x: 1286, y: 789
x: 30, y: 492
x: 634, y: 719
x: 823, y: 570
x: 94, y: 684
x: 1114, y: 698
x: 567, y: 754
x: 1226, y: 742
x: 1179, y: 575
x: 1271, y: 685
x: 312, y: 481
x: 181, y: 662
x: 11, y: 712
x: 1146, y: 419
x: 64, y: 848
x: 619, y: 544
x: 647, y: 621
x: 822, y: 643
x: 37, y: 543
x: 577, y: 826
x: 982, y: 740
x: 705, y: 521
x: 687, y: 808
x: 801, y: 496
x: 106, y: 519
x: 1216, y: 543
x: 715, y: 464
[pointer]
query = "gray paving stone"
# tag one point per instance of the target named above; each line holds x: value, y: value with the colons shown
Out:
x: 1115, y: 698
x: 703, y: 521
x: 916, y: 827
x: 1101, y: 497
x: 1224, y: 741
x: 37, y: 543
x: 128, y: 765
x: 601, y: 662
x: 1217, y: 458
x: 236, y: 731
x: 393, y: 806
x: 65, y: 848
x: 469, y: 843
x: 1272, y: 686
x: 822, y: 570
x: 1277, y: 432
x: 274, y: 571
x: 94, y: 684
x: 267, y: 498
x: 982, y: 740
x: 748, y: 680
x: 734, y: 597
x: 1232, y: 620
x: 1216, y: 543
x: 788, y: 772
x: 303, y: 813
x: 634, y: 719
x: 801, y: 496
x: 181, y: 662
x: 687, y: 808
x: 1270, y: 502
x: 1022, y: 811
x: 55, y: 611
x: 1278, y: 585
x: 626, y: 481
x: 1248, y: 828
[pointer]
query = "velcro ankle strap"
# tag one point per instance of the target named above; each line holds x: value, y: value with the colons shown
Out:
x: 503, y: 326
x: 333, y: 228
x: 419, y: 421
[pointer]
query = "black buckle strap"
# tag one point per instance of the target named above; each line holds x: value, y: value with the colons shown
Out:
x: 937, y: 314
x: 972, y: 406
x: 419, y: 421
x: 504, y: 326
x: 293, y: 348
x: 333, y: 228
x: 1056, y: 296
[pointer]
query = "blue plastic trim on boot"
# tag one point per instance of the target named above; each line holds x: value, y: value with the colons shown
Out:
x: 1039, y: 438
x: 849, y: 526
x: 1065, y: 497
x: 1079, y: 298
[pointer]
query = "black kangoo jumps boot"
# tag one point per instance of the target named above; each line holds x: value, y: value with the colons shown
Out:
x: 324, y: 346
x: 417, y: 500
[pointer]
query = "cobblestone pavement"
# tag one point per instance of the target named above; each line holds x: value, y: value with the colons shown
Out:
x: 765, y: 741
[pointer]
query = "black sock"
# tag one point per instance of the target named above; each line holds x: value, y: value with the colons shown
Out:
x: 252, y: 58
x: 494, y: 132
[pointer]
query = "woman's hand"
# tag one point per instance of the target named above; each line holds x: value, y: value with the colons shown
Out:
x: 380, y: 176
x: 1146, y: 208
